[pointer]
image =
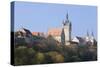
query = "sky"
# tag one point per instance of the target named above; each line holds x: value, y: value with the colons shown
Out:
x: 39, y: 17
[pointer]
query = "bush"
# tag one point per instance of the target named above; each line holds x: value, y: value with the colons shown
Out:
x: 39, y: 58
x: 54, y: 57
x: 23, y: 55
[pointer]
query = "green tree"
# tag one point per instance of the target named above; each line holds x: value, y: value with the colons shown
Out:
x: 54, y: 57
x: 39, y: 58
x: 23, y: 55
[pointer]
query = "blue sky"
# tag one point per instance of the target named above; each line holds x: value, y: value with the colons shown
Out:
x: 42, y: 16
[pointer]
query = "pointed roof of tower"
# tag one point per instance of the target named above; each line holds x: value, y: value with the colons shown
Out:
x: 66, y: 20
x: 87, y: 33
x: 92, y: 34
x: 67, y: 17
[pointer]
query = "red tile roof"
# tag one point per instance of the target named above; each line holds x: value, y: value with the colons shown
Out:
x: 38, y: 33
x: 35, y: 33
x: 54, y: 32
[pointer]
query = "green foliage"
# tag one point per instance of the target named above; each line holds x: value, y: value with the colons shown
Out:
x: 39, y: 58
x: 23, y: 55
x: 55, y: 57
x: 87, y: 53
x: 50, y: 51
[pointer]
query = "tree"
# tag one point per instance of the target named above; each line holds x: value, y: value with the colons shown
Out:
x: 39, y: 58
x: 54, y: 57
x: 23, y: 55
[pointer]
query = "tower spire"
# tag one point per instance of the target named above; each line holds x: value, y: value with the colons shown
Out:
x: 67, y: 16
x: 92, y: 34
x: 66, y: 20
x: 87, y: 33
x: 66, y: 31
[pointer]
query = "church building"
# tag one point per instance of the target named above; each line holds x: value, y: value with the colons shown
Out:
x: 62, y: 35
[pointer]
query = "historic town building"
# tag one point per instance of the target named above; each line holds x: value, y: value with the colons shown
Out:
x: 63, y: 34
x: 66, y: 32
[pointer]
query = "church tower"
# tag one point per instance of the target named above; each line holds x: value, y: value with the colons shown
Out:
x: 66, y: 31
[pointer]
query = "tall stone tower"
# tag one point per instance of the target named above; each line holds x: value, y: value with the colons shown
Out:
x: 66, y: 31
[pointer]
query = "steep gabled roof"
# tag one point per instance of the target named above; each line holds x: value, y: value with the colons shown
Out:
x: 54, y: 31
x: 80, y: 39
x: 27, y: 31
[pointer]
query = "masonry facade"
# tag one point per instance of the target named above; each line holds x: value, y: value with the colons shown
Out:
x: 62, y: 35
